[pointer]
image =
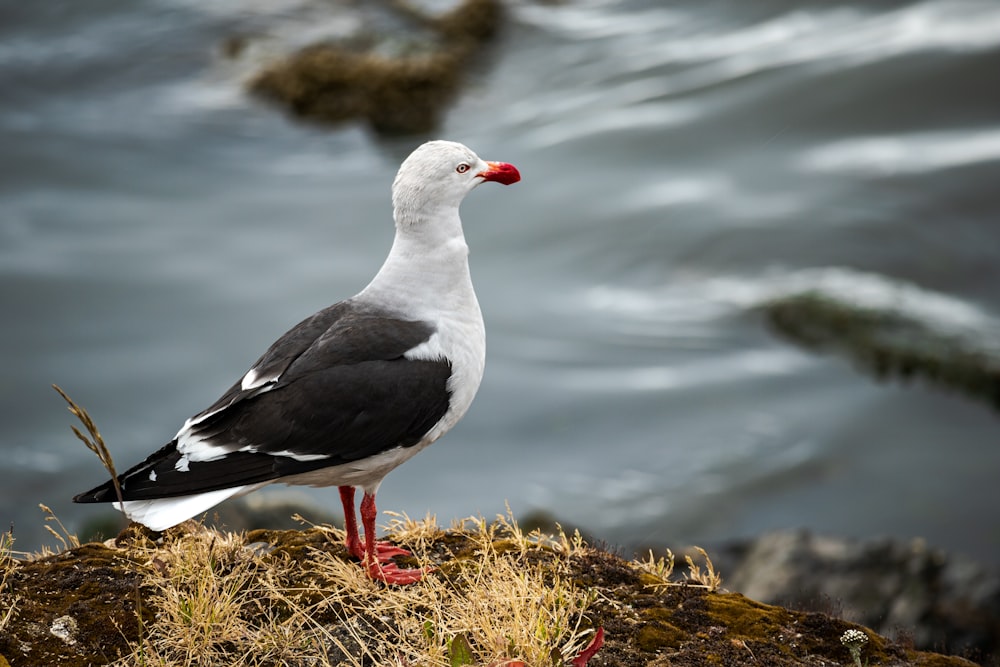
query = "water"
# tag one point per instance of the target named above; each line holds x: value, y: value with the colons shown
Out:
x: 681, y: 164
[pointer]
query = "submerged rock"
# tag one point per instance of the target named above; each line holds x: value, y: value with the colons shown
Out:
x: 889, y: 344
x: 399, y: 93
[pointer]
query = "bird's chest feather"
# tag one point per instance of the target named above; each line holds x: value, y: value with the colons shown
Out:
x: 461, y: 341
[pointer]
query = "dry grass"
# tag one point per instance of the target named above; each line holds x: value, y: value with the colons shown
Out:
x: 204, y: 583
x: 708, y: 578
x: 65, y: 538
x: 507, y: 595
x: 504, y: 595
x: 663, y: 568
x: 92, y: 440
x: 8, y: 599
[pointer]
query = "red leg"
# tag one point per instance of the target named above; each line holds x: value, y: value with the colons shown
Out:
x: 378, y: 556
x: 383, y: 550
x: 350, y: 522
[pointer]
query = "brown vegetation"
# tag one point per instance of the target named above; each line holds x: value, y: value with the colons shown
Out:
x: 198, y: 596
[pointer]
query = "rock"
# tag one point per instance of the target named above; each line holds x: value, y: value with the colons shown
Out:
x: 401, y: 93
x: 299, y: 595
x: 65, y: 628
x: 897, y: 588
x: 331, y: 84
x: 889, y: 343
x: 70, y: 607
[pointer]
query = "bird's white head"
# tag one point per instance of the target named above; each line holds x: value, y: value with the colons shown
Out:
x: 438, y: 175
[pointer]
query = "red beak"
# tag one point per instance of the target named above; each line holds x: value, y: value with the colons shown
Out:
x: 500, y: 172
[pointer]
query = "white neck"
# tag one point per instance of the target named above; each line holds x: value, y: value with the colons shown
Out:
x: 427, y: 271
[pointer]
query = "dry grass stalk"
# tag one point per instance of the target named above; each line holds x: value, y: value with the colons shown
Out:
x: 662, y: 568
x: 8, y: 600
x: 93, y: 441
x: 67, y: 539
x: 708, y: 577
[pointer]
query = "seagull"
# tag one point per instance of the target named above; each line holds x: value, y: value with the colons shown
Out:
x: 351, y: 392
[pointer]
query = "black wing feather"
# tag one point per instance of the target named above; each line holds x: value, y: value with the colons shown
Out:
x: 343, y: 390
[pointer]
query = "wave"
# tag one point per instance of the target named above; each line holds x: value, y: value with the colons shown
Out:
x: 907, y: 154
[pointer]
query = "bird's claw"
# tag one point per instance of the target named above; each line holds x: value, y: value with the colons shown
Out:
x: 384, y: 551
x: 592, y: 648
x: 391, y: 573
x: 384, y: 569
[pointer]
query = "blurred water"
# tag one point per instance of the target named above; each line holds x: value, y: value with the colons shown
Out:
x: 681, y: 165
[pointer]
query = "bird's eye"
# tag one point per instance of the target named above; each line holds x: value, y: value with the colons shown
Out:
x: 462, y: 168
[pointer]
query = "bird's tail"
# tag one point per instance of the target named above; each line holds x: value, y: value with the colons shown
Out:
x: 159, y: 494
x: 162, y: 513
x: 108, y: 492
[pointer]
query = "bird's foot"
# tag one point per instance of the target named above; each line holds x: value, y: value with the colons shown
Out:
x: 384, y: 568
x: 391, y: 573
x: 592, y: 648
x: 384, y: 551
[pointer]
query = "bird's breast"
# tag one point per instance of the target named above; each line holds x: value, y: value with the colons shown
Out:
x: 462, y: 342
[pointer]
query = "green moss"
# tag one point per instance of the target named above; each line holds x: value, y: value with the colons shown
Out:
x: 923, y: 659
x: 296, y: 544
x: 744, y: 617
x: 647, y: 579
x: 660, y: 635
x: 94, y: 586
x: 506, y: 546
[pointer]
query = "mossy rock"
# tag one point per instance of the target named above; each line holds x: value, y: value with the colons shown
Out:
x: 80, y: 607
x: 90, y: 605
x: 888, y: 344
x: 398, y: 94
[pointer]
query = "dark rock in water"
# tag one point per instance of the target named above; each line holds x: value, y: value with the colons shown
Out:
x: 332, y: 84
x: 897, y: 588
x: 396, y: 94
x: 471, y: 23
x: 888, y: 344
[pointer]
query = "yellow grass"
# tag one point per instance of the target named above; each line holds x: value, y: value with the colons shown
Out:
x: 221, y: 601
x: 8, y: 600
